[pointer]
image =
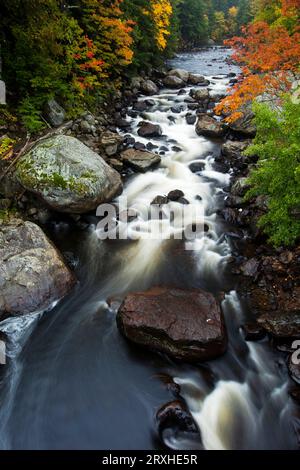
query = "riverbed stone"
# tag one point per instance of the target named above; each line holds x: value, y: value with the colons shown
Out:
x: 176, y: 414
x: 244, y: 125
x: 67, y: 175
x: 207, y: 126
x: 147, y: 129
x: 141, y: 161
x: 201, y: 95
x: 180, y: 73
x: 173, y: 82
x: 148, y: 87
x: 32, y: 273
x: 185, y: 324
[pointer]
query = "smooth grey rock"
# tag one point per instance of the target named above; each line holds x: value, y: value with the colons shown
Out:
x: 32, y: 273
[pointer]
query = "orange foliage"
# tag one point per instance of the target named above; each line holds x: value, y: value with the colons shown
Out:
x: 269, y: 54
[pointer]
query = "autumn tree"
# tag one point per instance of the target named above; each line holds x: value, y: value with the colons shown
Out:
x: 270, y: 55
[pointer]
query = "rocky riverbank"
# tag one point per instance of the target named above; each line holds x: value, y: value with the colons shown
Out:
x: 83, y: 162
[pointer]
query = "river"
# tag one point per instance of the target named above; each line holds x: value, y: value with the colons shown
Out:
x: 74, y: 382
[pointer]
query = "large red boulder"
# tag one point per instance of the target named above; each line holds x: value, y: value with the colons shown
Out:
x: 185, y: 324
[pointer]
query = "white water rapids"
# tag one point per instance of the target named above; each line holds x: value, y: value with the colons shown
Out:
x: 243, y: 405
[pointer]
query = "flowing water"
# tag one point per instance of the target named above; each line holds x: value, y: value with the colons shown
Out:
x: 73, y: 382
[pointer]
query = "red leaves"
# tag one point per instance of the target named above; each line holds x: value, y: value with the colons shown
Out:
x: 268, y: 53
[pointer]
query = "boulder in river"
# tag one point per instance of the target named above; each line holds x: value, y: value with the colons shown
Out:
x: 245, y: 124
x: 148, y: 87
x: 147, y: 129
x: 185, y: 324
x: 233, y: 149
x: 32, y: 273
x: 173, y: 82
x: 209, y: 127
x: 140, y: 160
x: 176, y: 414
x: 179, y: 73
x: 195, y: 79
x: 67, y: 175
x: 201, y: 95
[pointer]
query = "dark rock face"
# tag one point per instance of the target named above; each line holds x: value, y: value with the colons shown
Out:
x: 209, y: 127
x: 32, y: 273
x: 253, y: 332
x: 175, y: 195
x: 244, y: 125
x: 149, y: 130
x: 148, y: 87
x: 140, y: 160
x: 176, y: 414
x: 197, y: 166
x: 233, y: 149
x: 186, y: 324
x: 191, y: 119
x: 160, y: 201
x: 281, y: 324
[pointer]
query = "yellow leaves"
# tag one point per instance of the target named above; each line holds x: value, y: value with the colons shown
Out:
x: 6, y: 148
x: 161, y: 12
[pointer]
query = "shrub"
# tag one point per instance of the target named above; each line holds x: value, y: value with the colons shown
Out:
x: 277, y: 175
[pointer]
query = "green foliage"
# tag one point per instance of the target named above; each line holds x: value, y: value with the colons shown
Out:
x: 277, y: 175
x: 31, y: 115
x: 194, y: 21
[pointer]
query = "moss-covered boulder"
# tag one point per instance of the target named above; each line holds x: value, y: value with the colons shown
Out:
x: 67, y: 175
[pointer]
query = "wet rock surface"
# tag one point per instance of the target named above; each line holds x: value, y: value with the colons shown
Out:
x: 186, y: 324
x: 176, y: 414
x: 207, y: 126
x: 141, y: 161
x: 32, y: 273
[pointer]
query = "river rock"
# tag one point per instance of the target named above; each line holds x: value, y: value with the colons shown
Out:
x: 148, y: 87
x: 244, y: 125
x: 185, y: 324
x: 141, y: 161
x: 253, y: 332
x: 191, y: 119
x: 200, y: 95
x: 180, y: 73
x: 67, y: 175
x: 175, y: 195
x: 54, y: 113
x: 209, y: 127
x: 176, y: 414
x: 234, y: 149
x: 240, y: 187
x: 195, y: 79
x: 281, y: 324
x: 110, y: 142
x: 32, y: 273
x: 160, y: 201
x: 147, y: 129
x: 173, y: 82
